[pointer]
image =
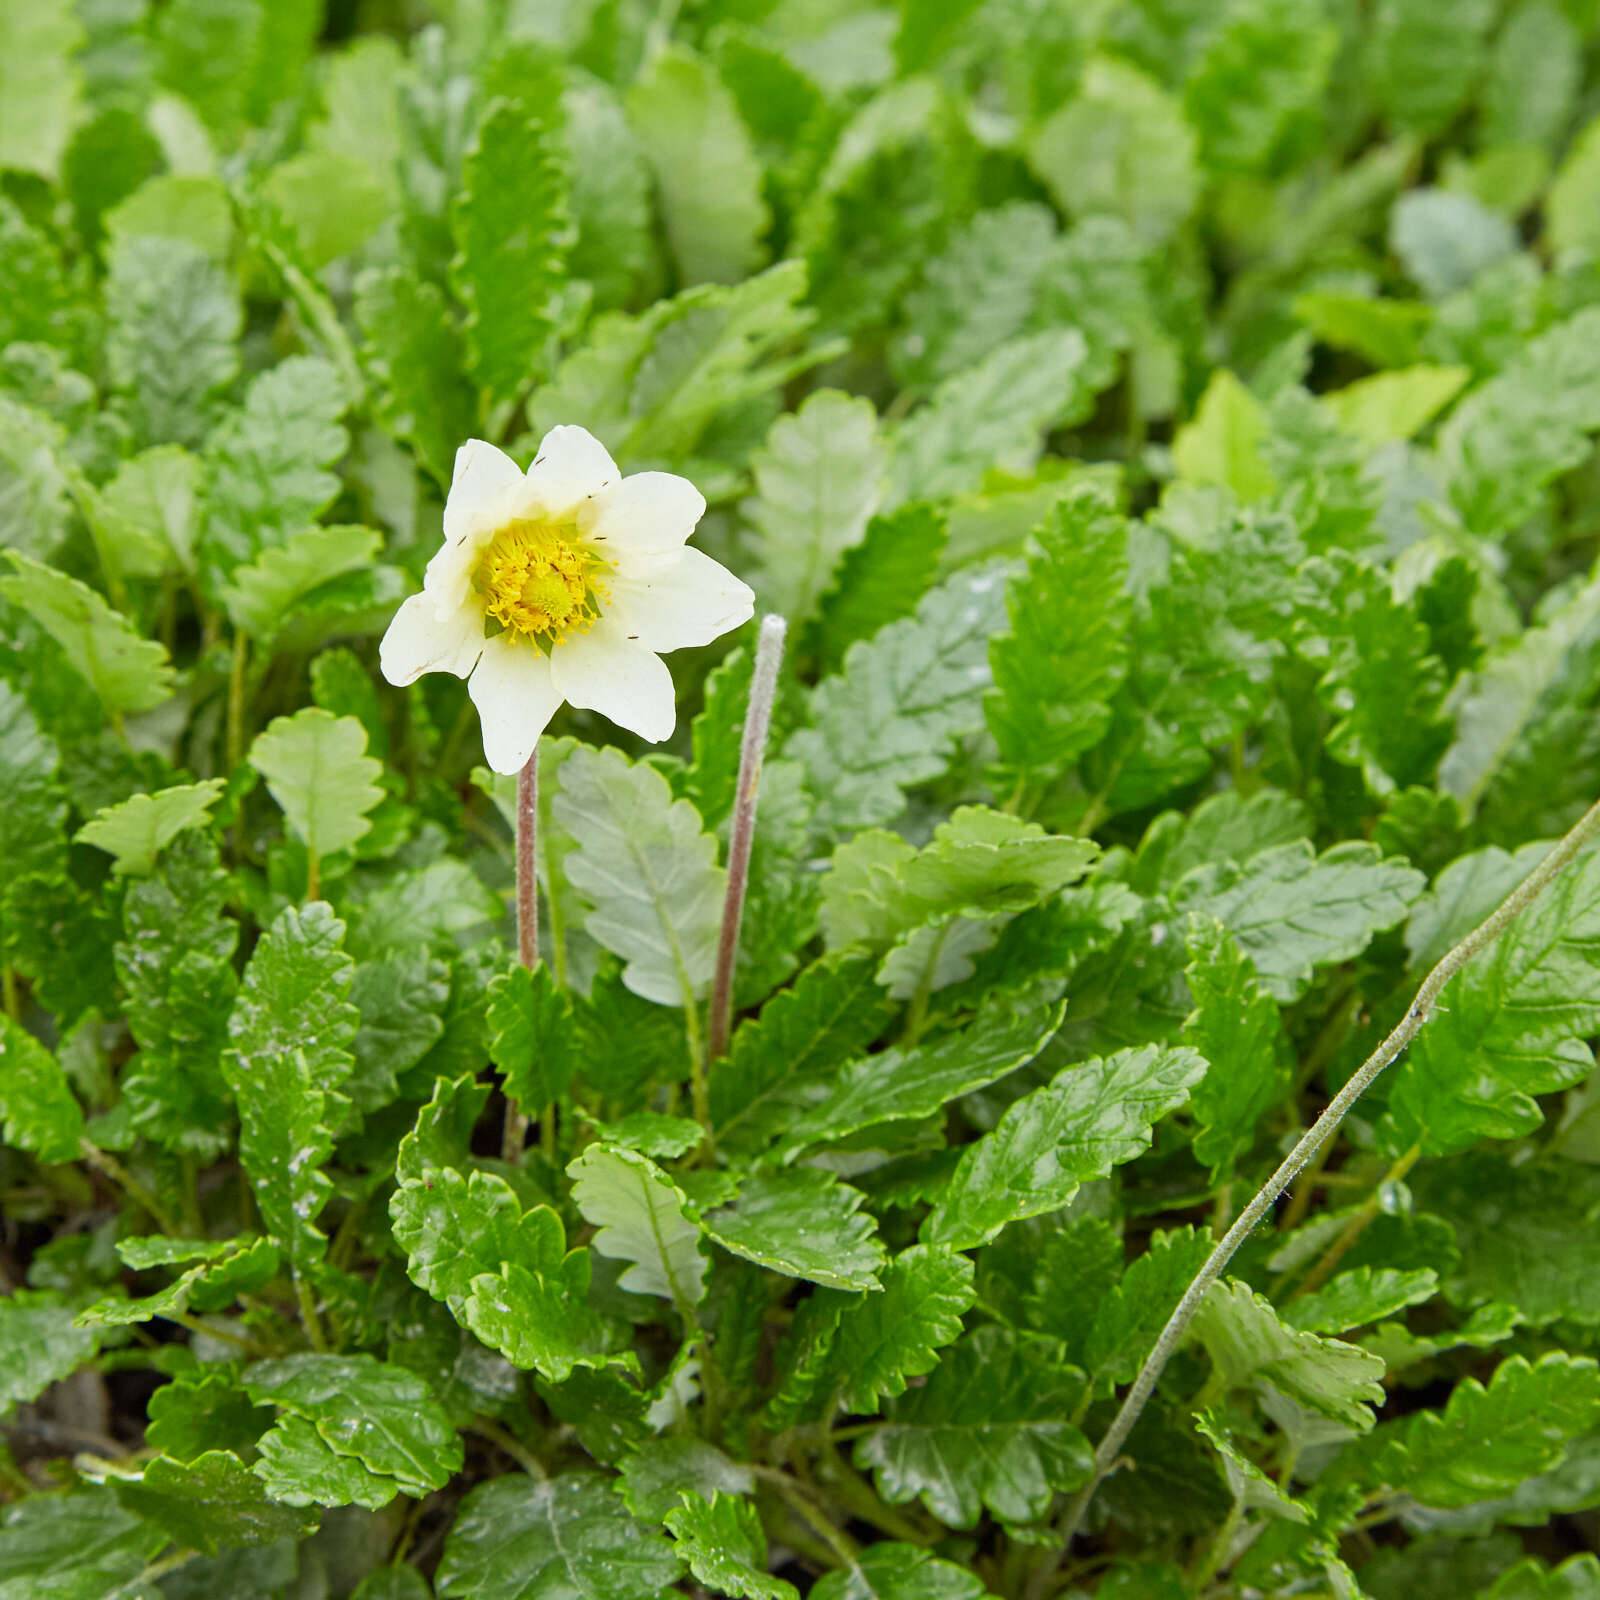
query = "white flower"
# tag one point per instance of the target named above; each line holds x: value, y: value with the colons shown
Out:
x: 559, y: 584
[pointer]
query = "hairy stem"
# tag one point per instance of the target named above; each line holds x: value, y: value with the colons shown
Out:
x: 515, y: 1133
x: 757, y: 722
x: 1490, y: 929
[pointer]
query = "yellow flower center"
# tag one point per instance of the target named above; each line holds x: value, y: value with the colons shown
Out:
x: 539, y: 580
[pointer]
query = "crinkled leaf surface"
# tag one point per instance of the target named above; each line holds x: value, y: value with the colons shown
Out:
x: 519, y: 1539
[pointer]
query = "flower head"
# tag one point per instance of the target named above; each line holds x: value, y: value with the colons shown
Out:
x: 563, y: 583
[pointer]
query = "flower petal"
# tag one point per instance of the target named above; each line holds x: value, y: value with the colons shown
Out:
x: 675, y: 602
x: 422, y: 639
x: 571, y: 466
x: 648, y: 513
x: 487, y: 491
x: 605, y: 671
x: 515, y: 697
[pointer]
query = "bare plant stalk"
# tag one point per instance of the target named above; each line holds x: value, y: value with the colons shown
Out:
x: 1490, y: 929
x: 757, y: 723
x: 515, y: 1133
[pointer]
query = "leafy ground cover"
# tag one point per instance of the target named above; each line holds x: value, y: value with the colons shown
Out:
x: 1167, y: 428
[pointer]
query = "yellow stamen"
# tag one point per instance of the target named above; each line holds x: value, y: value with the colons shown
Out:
x: 539, y: 580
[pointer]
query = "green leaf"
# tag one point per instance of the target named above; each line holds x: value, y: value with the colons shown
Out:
x: 271, y: 456
x: 1379, y: 676
x: 1208, y: 621
x: 804, y: 1224
x: 891, y: 1571
x: 886, y: 1339
x: 1424, y: 66
x: 649, y: 386
x: 40, y: 85
x: 1511, y: 1025
x: 994, y: 414
x: 288, y: 1052
x: 1250, y: 1486
x: 1395, y: 405
x: 1446, y: 239
x: 640, y: 1215
x: 1512, y: 435
x: 515, y: 1538
x: 79, y: 1545
x: 504, y: 1272
x: 818, y: 480
x: 454, y: 1226
x: 878, y: 581
x: 209, y: 1504
x: 175, y: 966
x: 834, y: 1011
x: 979, y: 863
x: 709, y: 180
x: 1251, y: 1346
x: 401, y: 998
x: 1256, y: 90
x: 1575, y: 1579
x: 381, y: 1414
x: 43, y: 1345
x: 417, y: 358
x: 663, y: 1469
x: 1292, y: 911
x: 1489, y: 1440
x: 1518, y: 716
x: 1120, y: 147
x: 908, y: 1082
x: 443, y: 1132
x: 888, y: 721
x: 204, y: 1409
x: 127, y: 672
x: 300, y: 1468
x: 1524, y: 1234
x: 1224, y: 443
x: 647, y: 870
x: 1065, y: 652
x: 36, y: 1102
x: 173, y: 341
x: 541, y: 1321
x: 611, y: 199
x: 141, y: 827
x: 234, y: 1266
x: 533, y: 1037
x: 1091, y: 1117
x: 152, y: 507
x: 725, y: 1546
x: 1235, y: 1027
x: 978, y: 292
x: 1126, y: 1324
x: 1353, y: 1299
x: 512, y: 231
x: 262, y: 597
x: 989, y: 1428
x: 317, y: 769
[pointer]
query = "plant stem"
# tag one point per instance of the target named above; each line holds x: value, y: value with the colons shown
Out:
x: 801, y: 1501
x: 757, y: 723
x: 1316, y: 1136
x: 130, y: 1185
x: 241, y: 650
x: 13, y: 1001
x: 1217, y: 1551
x: 308, y: 1314
x: 515, y: 1133
x: 1357, y: 1225
x: 527, y: 873
x: 513, y: 1447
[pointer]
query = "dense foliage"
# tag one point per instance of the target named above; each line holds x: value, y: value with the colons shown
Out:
x: 1168, y: 429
